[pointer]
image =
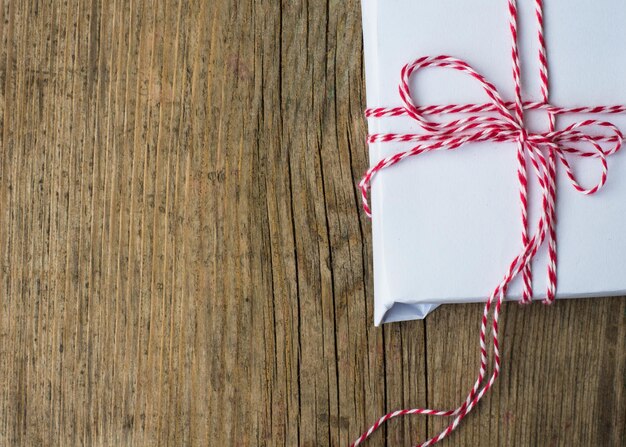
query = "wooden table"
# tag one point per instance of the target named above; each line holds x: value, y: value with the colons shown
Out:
x: 184, y: 258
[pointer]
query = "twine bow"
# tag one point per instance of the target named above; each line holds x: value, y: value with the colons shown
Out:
x: 505, y: 127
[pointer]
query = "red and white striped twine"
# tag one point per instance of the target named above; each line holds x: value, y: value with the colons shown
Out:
x: 542, y: 150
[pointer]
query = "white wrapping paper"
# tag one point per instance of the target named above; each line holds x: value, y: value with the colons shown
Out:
x: 446, y: 225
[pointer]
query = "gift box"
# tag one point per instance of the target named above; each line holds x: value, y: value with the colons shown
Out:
x: 446, y: 224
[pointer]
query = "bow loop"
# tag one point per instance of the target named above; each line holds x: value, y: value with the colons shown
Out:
x: 470, y: 125
x: 605, y: 132
x: 579, y: 133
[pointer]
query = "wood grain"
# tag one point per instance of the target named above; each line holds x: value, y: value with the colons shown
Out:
x: 184, y: 260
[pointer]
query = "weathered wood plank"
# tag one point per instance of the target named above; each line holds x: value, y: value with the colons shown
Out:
x: 563, y: 379
x: 184, y: 260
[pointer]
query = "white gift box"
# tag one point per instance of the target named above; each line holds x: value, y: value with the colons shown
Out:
x: 447, y: 224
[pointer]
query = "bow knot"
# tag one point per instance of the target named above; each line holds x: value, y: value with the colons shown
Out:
x: 523, y: 135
